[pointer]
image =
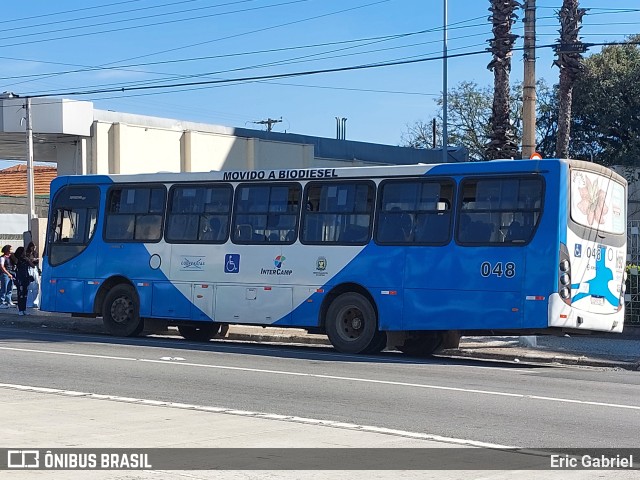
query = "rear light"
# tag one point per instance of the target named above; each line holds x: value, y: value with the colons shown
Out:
x: 564, y: 275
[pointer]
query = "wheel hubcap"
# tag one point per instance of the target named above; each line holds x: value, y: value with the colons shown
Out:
x: 122, y: 310
x: 351, y: 323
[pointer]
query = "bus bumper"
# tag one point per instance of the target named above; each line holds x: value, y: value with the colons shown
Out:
x: 562, y: 315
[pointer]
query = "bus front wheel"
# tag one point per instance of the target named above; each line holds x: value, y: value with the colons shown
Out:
x: 351, y: 324
x: 200, y: 333
x: 121, y: 312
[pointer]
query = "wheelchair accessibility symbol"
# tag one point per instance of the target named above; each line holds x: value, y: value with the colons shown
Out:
x: 232, y: 263
x: 578, y: 250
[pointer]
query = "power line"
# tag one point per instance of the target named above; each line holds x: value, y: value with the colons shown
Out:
x: 175, y: 76
x: 86, y: 68
x: 75, y: 10
x: 264, y: 29
x: 88, y: 17
x: 111, y: 64
x: 210, y: 74
x: 121, y: 29
x: 370, y: 40
x: 298, y: 74
x: 263, y: 79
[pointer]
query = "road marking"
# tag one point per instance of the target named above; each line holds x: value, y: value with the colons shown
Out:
x: 52, y: 352
x: 259, y: 415
x: 339, y: 378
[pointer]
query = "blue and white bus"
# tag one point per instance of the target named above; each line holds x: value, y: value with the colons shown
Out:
x: 410, y: 256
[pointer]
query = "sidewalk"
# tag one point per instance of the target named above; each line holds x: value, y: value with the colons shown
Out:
x: 242, y: 445
x: 601, y: 350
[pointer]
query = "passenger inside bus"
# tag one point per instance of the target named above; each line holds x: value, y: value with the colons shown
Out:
x: 211, y: 230
x: 518, y: 233
x: 396, y: 226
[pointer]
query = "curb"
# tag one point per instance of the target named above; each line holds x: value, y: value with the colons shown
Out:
x: 544, y: 357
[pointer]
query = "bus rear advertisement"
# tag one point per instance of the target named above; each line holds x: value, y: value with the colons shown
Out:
x: 409, y: 257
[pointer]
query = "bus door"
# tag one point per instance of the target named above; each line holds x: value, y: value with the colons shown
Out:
x: 72, y: 227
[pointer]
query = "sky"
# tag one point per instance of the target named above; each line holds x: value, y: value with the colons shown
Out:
x: 97, y: 50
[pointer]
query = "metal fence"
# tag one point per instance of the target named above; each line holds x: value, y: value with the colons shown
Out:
x: 632, y: 296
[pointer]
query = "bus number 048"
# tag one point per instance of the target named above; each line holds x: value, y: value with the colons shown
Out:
x: 509, y: 269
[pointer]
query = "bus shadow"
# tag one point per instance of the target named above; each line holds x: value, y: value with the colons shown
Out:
x: 316, y: 353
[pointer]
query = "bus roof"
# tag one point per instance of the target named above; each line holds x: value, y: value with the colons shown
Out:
x: 322, y: 173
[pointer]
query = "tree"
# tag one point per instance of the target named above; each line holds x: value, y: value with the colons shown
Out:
x: 546, y: 119
x: 469, y: 111
x: 502, y: 142
x: 569, y: 62
x: 606, y: 106
x: 419, y: 135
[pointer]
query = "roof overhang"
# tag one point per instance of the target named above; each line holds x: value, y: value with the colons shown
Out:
x: 55, y: 121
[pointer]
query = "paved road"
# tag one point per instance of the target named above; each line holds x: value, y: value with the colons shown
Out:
x: 498, y: 403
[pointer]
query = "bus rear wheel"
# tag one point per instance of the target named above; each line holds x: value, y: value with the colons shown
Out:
x: 199, y: 333
x: 121, y: 312
x: 351, y: 325
x: 422, y: 344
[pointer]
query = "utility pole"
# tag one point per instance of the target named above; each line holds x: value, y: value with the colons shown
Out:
x: 445, y: 136
x: 269, y: 122
x: 529, y: 90
x: 433, y: 132
x: 30, y: 192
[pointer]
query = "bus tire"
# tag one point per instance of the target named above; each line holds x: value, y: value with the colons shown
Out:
x: 121, y: 312
x: 199, y: 333
x: 422, y: 344
x: 379, y: 343
x: 351, y: 324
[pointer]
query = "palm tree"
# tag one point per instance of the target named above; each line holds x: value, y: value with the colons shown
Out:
x: 569, y: 61
x: 502, y: 142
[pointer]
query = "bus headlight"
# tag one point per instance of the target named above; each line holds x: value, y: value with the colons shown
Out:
x: 565, y: 279
x: 564, y: 265
x: 565, y: 293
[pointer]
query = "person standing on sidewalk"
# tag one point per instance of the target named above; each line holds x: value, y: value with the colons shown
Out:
x: 6, y: 277
x: 33, y: 291
x: 23, y: 279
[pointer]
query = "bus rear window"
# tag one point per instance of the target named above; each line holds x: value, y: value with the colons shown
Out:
x: 597, y: 202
